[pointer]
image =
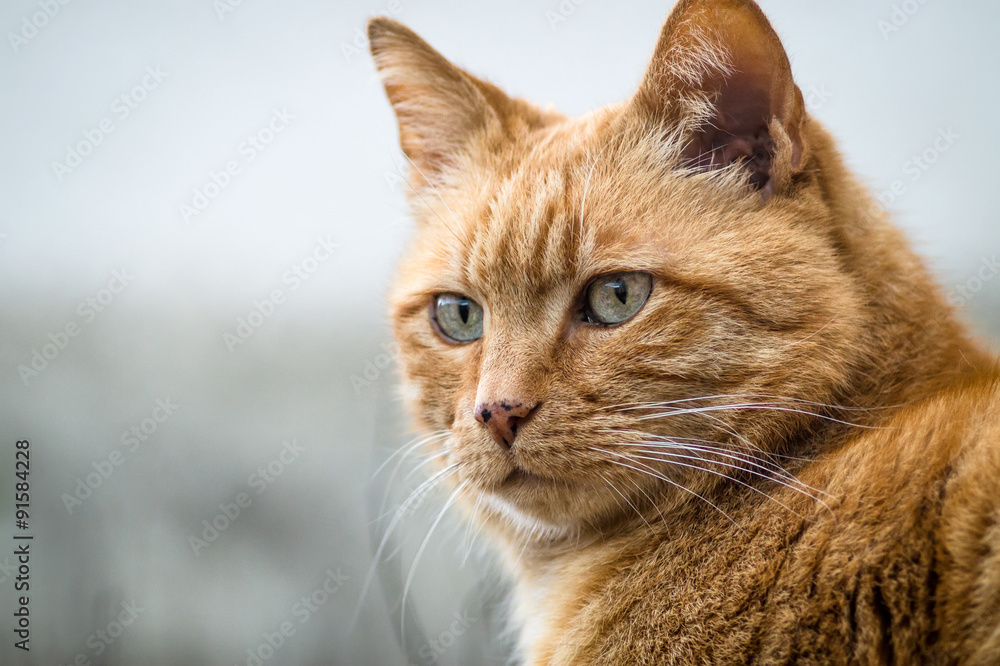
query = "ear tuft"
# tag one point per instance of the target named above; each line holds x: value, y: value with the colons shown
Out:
x: 720, y: 72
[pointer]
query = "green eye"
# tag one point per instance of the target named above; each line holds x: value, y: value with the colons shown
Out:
x: 459, y: 318
x: 613, y: 299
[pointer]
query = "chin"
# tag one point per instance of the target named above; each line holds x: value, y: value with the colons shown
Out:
x: 529, y: 507
x: 518, y: 522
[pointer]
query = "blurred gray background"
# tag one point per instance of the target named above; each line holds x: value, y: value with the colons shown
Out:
x: 157, y: 100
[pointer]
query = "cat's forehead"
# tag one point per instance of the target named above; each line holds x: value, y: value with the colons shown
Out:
x: 527, y: 232
x: 533, y: 231
x: 572, y: 202
x: 567, y: 208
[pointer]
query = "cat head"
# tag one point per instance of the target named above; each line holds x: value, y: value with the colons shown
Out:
x: 592, y: 308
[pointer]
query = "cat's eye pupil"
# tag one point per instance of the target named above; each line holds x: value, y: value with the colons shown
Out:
x: 616, y: 298
x: 621, y: 291
x: 459, y: 319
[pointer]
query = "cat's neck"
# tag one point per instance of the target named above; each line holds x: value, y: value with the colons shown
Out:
x: 913, y: 344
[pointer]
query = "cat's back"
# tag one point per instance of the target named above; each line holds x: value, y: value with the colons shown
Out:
x: 897, y: 560
x: 905, y: 566
x: 967, y: 607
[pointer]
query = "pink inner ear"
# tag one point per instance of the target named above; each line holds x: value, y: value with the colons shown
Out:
x: 738, y: 131
x: 725, y: 52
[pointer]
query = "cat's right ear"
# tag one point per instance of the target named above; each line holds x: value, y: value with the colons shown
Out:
x: 439, y: 107
x: 721, y: 75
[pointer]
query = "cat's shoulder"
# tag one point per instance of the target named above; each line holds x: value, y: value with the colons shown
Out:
x: 954, y: 429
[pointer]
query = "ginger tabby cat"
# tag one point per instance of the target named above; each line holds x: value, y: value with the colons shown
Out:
x: 699, y: 392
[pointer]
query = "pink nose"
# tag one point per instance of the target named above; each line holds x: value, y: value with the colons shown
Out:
x: 503, y: 418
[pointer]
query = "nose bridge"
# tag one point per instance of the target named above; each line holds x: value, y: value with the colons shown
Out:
x: 512, y: 380
x: 511, y: 368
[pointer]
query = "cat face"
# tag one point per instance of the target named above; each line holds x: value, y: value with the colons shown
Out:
x: 599, y: 312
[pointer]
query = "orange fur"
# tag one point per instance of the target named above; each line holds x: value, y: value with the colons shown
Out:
x: 790, y: 454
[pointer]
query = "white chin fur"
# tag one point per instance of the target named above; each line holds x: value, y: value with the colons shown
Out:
x: 523, y: 524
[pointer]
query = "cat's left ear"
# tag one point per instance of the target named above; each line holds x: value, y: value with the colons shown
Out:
x: 441, y: 109
x: 721, y: 75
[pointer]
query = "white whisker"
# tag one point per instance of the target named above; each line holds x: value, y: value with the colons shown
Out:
x: 765, y: 396
x: 430, y: 458
x: 434, y: 189
x: 400, y: 512
x: 759, y: 463
x: 652, y: 472
x: 406, y: 450
x: 704, y: 469
x: 714, y: 448
x: 470, y: 536
x: 795, y: 484
x: 814, y: 333
x: 650, y: 499
x: 627, y: 501
x: 776, y: 407
x: 420, y: 551
x: 412, y: 445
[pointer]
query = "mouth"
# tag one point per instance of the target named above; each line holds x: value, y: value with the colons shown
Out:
x: 519, y: 477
